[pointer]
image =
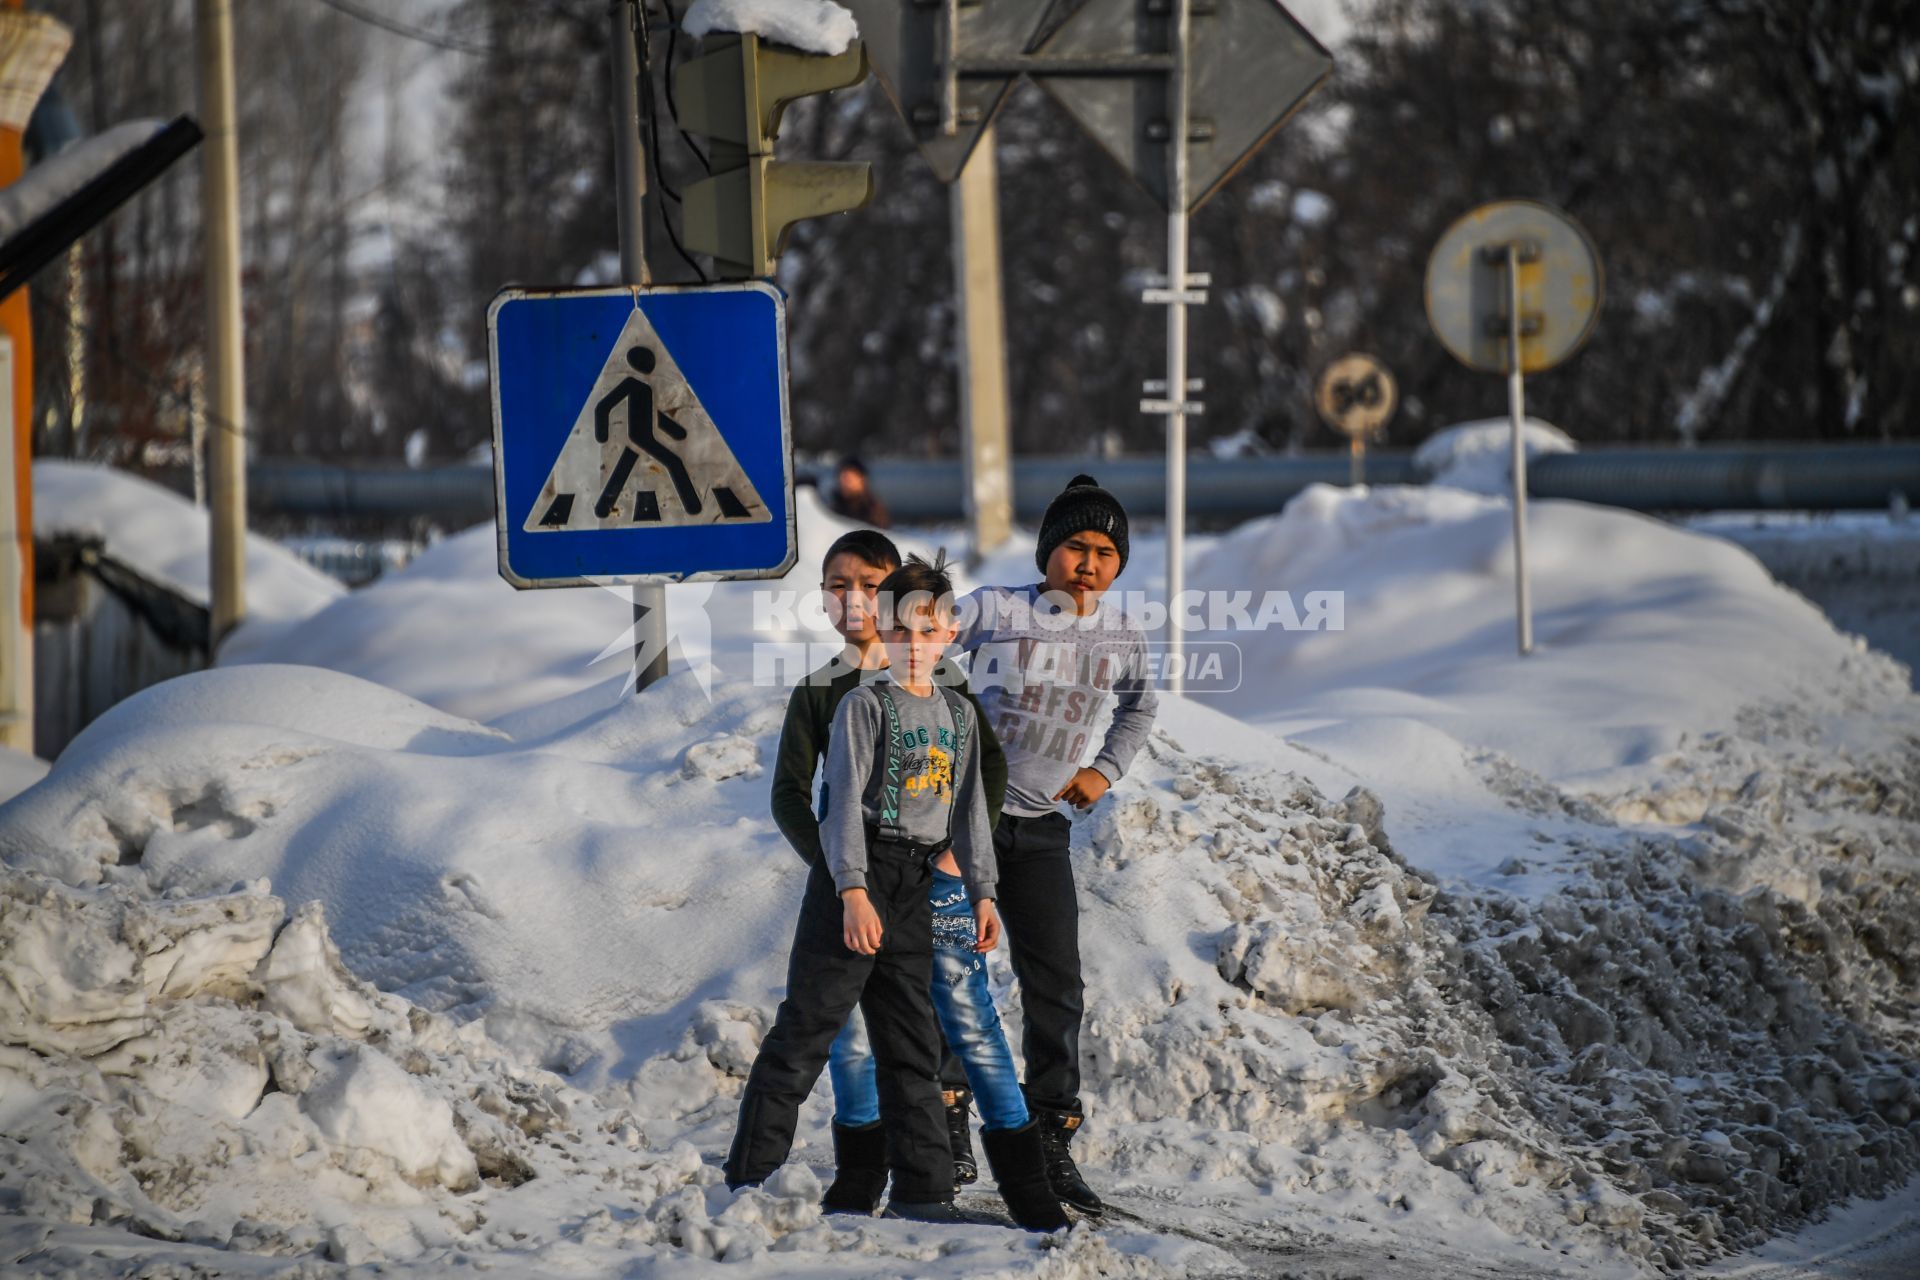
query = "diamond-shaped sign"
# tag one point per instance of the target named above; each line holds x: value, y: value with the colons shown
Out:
x: 1250, y: 66
x: 906, y: 42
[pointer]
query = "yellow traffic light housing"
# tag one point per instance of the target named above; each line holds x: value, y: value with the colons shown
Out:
x: 735, y: 93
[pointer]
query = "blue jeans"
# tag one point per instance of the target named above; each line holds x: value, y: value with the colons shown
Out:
x: 971, y: 1024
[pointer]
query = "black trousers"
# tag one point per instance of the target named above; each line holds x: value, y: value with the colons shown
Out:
x: 824, y: 982
x: 1041, y: 913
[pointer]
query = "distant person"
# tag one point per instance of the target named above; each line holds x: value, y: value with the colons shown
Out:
x: 854, y: 498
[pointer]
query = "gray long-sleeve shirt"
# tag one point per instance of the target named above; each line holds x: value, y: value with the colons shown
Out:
x: 933, y: 792
x: 1044, y: 676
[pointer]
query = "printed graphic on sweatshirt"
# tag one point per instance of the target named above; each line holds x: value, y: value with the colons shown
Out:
x: 927, y: 765
x: 1052, y: 692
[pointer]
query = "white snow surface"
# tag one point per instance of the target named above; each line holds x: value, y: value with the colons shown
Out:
x: 1436, y: 962
x: 814, y: 26
x: 19, y: 770
x: 164, y: 536
x: 1478, y: 456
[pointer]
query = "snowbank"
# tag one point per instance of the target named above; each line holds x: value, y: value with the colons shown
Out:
x: 450, y: 631
x: 1478, y: 456
x: 815, y: 26
x: 164, y: 536
x: 1703, y: 1037
x: 18, y: 771
x: 1645, y: 634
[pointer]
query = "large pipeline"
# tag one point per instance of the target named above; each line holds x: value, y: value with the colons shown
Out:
x: 1714, y: 478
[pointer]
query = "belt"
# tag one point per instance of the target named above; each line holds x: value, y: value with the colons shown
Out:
x: 879, y: 837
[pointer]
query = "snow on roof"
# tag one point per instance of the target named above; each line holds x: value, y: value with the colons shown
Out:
x: 164, y: 536
x: 815, y: 26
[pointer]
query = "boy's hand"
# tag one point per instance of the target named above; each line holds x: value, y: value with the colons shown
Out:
x: 1086, y: 786
x: 860, y: 923
x: 986, y: 926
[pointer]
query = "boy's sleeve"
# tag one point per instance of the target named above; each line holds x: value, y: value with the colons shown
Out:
x: 852, y: 745
x: 1133, y: 710
x: 993, y: 759
x: 974, y: 624
x: 793, y: 778
x: 972, y: 833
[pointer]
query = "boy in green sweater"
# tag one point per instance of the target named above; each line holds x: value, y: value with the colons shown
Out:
x: 851, y: 574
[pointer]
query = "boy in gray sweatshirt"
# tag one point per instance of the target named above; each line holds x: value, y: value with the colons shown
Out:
x: 903, y: 785
x: 1048, y: 660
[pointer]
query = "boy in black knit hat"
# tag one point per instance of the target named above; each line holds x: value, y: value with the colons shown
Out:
x: 1048, y: 660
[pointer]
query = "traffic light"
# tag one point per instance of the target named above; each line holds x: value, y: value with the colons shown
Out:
x: 735, y: 93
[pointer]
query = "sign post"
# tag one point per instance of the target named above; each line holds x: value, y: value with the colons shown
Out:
x: 1514, y: 287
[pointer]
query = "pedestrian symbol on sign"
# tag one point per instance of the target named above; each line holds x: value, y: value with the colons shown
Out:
x: 668, y: 466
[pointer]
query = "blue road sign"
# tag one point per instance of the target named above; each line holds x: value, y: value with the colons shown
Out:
x: 641, y: 435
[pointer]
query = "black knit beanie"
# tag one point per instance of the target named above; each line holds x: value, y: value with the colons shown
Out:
x: 1082, y: 505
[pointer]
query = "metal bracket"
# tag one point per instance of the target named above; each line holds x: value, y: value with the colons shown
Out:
x: 1158, y: 386
x: 1532, y: 325
x: 1195, y: 280
x: 1167, y: 297
x: 1529, y: 248
x: 1168, y: 406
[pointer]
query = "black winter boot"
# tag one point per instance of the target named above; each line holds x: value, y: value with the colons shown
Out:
x: 1056, y: 1131
x: 1019, y: 1165
x: 960, y: 1135
x: 926, y: 1211
x: 860, y: 1170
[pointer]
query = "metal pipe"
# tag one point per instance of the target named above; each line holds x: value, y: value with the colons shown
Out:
x: 1710, y: 478
x: 226, y: 371
x: 630, y: 185
x: 1517, y: 411
x: 1178, y: 87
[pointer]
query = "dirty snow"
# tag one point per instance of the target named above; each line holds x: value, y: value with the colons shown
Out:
x: 1436, y: 962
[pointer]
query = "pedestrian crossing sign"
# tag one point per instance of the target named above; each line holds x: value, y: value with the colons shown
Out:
x: 641, y: 435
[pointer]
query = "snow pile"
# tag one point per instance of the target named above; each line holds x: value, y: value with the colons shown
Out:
x: 813, y: 26
x: 164, y: 537
x: 18, y: 771
x: 1644, y: 633
x: 1281, y: 1009
x: 200, y: 1073
x: 1478, y: 456
x: 449, y: 631
x: 203, y: 1069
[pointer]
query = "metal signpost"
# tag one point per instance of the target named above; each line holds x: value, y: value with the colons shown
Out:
x: 1356, y: 396
x: 641, y: 435
x: 1231, y: 73
x: 1514, y: 287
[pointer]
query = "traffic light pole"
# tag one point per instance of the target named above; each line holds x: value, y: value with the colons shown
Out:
x: 630, y: 187
x: 974, y: 201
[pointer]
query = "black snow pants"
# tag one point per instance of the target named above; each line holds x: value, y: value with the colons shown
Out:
x: 893, y: 988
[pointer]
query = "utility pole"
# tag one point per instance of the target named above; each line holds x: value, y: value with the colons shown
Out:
x: 629, y: 32
x: 1177, y: 286
x: 974, y: 200
x: 226, y: 369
